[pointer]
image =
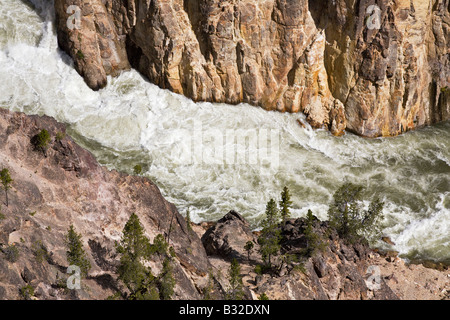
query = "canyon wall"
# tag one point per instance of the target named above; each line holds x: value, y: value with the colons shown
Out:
x: 376, y: 68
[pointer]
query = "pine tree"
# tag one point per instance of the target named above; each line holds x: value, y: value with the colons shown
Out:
x: 207, y: 290
x: 159, y: 246
x: 313, y: 241
x: 269, y: 239
x: 249, y: 247
x: 75, y: 253
x: 134, y: 248
x: 166, y: 280
x: 6, y: 180
x: 347, y: 216
x: 285, y: 204
x: 235, y: 291
x: 188, y: 220
x: 41, y: 141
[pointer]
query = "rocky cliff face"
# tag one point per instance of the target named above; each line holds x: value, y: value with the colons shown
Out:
x: 376, y: 68
x: 68, y: 186
x: 87, y: 33
x: 389, y: 64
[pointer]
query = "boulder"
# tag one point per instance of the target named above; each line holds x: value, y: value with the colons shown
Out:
x: 228, y: 237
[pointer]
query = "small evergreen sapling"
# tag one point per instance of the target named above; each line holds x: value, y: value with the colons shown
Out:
x: 6, y: 180
x: 235, y: 291
x: 285, y: 204
x: 208, y: 289
x: 159, y: 246
x: 313, y: 240
x: 188, y: 220
x: 269, y: 239
x: 166, y: 280
x: 75, y: 253
x: 249, y: 248
x: 134, y: 248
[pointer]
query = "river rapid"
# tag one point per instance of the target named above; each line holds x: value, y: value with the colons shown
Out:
x: 212, y: 158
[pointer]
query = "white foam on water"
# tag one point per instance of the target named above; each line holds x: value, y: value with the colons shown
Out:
x: 183, y: 145
x: 408, y: 233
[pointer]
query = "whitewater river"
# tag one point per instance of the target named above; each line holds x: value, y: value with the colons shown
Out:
x: 193, y: 150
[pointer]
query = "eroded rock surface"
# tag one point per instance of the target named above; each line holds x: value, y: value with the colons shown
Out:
x: 376, y: 68
x: 68, y: 186
x: 87, y: 33
x: 341, y: 271
x: 228, y: 237
x: 387, y: 61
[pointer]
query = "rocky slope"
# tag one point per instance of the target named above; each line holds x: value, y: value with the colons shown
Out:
x: 67, y: 186
x: 340, y: 272
x: 376, y: 68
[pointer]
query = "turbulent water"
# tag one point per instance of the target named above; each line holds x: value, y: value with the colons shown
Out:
x: 192, y: 150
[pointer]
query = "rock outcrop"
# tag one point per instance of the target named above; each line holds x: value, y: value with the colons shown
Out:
x: 87, y: 33
x: 228, y: 237
x: 376, y: 68
x: 341, y: 271
x: 387, y: 61
x: 66, y: 186
x: 338, y: 272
